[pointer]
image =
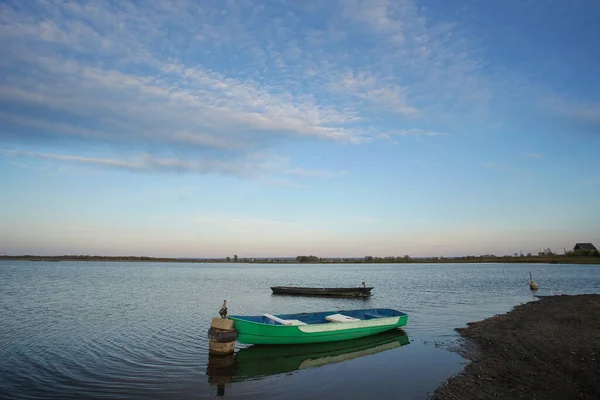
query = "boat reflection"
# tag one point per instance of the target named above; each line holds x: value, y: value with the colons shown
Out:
x: 256, y: 362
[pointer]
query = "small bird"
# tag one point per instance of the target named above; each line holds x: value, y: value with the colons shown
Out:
x: 223, y: 310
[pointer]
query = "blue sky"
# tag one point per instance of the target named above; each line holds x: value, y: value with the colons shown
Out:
x: 274, y: 128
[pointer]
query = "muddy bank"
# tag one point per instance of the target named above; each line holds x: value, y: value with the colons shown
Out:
x: 546, y: 349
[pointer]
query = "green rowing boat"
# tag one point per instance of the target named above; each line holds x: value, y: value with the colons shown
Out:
x: 319, y: 327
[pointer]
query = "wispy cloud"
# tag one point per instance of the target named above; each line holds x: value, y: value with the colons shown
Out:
x: 259, y: 166
x: 382, y: 16
x: 377, y: 91
x: 440, y: 79
x: 149, y: 163
x: 210, y: 110
x: 224, y: 81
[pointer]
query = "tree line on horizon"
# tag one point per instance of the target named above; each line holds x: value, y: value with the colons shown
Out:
x: 546, y: 254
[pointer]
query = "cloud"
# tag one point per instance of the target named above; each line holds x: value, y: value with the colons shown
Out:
x: 250, y: 166
x: 375, y: 90
x: 429, y: 63
x: 210, y: 110
x: 223, y: 81
x: 258, y: 166
x: 380, y: 15
x: 129, y: 90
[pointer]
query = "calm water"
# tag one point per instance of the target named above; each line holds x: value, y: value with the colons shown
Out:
x: 74, y: 330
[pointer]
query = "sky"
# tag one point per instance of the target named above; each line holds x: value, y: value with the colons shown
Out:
x: 284, y: 128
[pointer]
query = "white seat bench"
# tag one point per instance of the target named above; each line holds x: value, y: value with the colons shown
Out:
x: 340, y: 318
x: 284, y: 321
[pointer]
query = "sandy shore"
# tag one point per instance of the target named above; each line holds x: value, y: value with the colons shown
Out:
x: 546, y: 349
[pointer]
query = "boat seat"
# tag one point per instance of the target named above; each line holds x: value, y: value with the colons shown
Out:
x: 284, y: 321
x: 340, y: 318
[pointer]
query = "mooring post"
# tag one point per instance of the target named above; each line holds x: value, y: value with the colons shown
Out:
x: 221, y: 335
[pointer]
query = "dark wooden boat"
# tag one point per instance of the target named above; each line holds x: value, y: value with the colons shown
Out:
x: 359, y: 291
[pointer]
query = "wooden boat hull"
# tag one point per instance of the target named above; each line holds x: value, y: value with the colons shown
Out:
x: 326, y: 292
x: 260, y: 330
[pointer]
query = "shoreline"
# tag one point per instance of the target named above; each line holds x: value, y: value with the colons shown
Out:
x: 549, y: 348
x: 277, y: 260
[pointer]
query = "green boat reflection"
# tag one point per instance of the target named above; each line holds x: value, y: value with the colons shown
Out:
x: 258, y: 361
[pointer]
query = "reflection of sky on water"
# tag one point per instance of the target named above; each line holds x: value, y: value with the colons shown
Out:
x: 75, y: 330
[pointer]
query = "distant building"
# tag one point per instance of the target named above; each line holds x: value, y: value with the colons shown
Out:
x: 584, y: 246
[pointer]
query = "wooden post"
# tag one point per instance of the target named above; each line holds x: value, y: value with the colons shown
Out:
x: 221, y: 335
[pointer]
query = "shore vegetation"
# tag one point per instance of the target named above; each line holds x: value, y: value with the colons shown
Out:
x: 546, y: 256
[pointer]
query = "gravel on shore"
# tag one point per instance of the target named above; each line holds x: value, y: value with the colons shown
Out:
x: 545, y: 349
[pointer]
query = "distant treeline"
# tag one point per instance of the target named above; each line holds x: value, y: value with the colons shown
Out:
x: 546, y: 256
x: 93, y: 258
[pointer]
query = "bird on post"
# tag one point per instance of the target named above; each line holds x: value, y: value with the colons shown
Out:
x: 223, y: 310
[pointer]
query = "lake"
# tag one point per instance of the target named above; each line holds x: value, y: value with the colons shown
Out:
x: 96, y: 330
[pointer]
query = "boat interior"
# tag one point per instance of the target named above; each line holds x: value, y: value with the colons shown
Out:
x: 340, y: 316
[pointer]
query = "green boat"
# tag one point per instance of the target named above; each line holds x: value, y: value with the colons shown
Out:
x: 318, y: 327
